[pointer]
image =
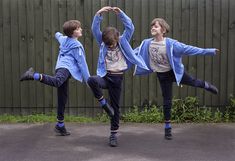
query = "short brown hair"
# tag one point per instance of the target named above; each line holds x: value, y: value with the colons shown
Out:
x: 110, y: 35
x: 70, y: 26
x: 162, y: 23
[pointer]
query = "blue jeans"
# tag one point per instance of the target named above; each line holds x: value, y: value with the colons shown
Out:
x: 112, y: 82
x: 60, y: 81
x: 166, y: 79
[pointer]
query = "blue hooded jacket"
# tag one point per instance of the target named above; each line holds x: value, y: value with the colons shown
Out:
x: 125, y: 47
x: 72, y: 57
x: 174, y: 50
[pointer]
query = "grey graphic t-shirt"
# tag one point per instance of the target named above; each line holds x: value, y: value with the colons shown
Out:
x: 157, y: 56
x: 115, y: 60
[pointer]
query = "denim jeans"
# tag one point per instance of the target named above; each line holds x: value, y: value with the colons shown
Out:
x: 60, y: 81
x: 166, y: 79
x: 112, y: 82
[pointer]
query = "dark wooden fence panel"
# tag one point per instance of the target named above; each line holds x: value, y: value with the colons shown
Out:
x: 128, y: 81
x: 27, y: 29
x: 224, y: 51
x: 208, y: 43
x: 14, y: 34
x: 7, y: 55
x: 200, y: 72
x: 2, y: 87
x: 231, y: 49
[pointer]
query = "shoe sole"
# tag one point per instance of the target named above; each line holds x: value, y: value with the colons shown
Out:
x: 61, y: 134
x: 25, y: 75
x: 168, y: 138
x: 111, y: 145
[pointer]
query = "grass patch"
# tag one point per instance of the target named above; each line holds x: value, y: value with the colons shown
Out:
x: 183, y: 111
x: 41, y: 118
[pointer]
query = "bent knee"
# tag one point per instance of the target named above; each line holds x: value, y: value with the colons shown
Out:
x: 91, y: 80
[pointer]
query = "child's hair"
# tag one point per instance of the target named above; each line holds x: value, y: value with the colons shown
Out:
x: 162, y: 23
x: 110, y: 35
x: 70, y: 26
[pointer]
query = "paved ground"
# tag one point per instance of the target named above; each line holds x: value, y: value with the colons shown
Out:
x: 137, y: 142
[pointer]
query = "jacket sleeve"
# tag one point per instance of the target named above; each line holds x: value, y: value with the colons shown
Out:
x: 128, y: 26
x: 95, y: 27
x: 183, y: 49
x: 59, y: 37
x: 82, y: 64
x: 136, y: 50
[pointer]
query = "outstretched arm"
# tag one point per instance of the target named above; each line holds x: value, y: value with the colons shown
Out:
x: 96, y: 24
x: 192, y: 50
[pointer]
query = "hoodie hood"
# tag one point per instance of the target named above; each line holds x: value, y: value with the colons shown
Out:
x: 68, y: 44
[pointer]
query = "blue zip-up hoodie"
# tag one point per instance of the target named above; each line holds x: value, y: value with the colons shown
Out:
x: 123, y: 43
x: 174, y: 50
x: 72, y: 57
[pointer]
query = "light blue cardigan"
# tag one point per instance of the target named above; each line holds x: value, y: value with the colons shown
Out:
x: 125, y: 47
x: 72, y: 57
x: 175, y: 50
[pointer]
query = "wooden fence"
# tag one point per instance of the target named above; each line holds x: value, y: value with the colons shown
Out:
x: 27, y: 30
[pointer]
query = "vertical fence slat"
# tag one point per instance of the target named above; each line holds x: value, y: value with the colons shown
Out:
x: 201, y: 43
x: 192, y: 41
x: 24, y: 95
x: 72, y: 83
x: 121, y: 5
x: 39, y: 56
x: 81, y: 96
x: 144, y: 99
x: 96, y: 5
x: 31, y: 51
x: 55, y: 45
x: 48, y: 91
x: 176, y: 27
x: 169, y: 19
x: 87, y: 44
x: 208, y: 43
x: 224, y: 51
x: 128, y: 79
x: 2, y: 89
x: 23, y: 54
x: 231, y: 49
x: 104, y: 23
x: 137, y: 39
x: 161, y: 9
x: 7, y: 54
x: 15, y: 57
x: 216, y: 44
x: 63, y: 13
x: 153, y: 82
x: 185, y: 39
x: 111, y: 15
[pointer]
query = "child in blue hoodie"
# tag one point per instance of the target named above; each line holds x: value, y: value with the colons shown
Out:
x: 71, y: 61
x: 164, y: 56
x: 115, y: 57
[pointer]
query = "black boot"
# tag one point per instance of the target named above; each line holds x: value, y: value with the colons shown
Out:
x: 113, y: 140
x: 108, y: 109
x: 168, y: 135
x: 28, y: 75
x: 61, y: 130
x: 211, y: 88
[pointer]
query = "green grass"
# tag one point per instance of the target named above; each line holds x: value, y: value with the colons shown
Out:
x: 183, y: 110
x: 41, y: 118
